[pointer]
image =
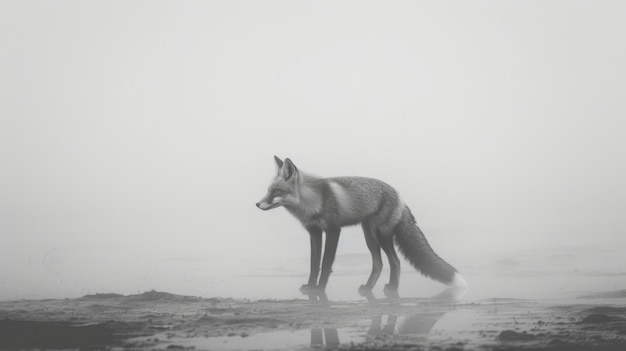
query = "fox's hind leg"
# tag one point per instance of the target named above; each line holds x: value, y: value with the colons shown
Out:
x: 386, y: 242
x: 377, y: 262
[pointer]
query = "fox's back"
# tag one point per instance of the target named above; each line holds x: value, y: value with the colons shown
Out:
x: 361, y: 198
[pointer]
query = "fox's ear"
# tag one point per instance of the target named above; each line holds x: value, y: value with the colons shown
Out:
x: 288, y: 170
x: 279, y: 164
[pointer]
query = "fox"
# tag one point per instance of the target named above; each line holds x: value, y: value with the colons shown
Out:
x: 326, y: 205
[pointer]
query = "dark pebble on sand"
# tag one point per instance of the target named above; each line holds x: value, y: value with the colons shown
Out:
x: 511, y: 335
x: 597, y: 319
x: 556, y: 343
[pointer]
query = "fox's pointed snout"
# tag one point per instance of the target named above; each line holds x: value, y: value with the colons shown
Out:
x: 267, y: 206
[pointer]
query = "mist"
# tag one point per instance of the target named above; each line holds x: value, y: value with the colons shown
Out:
x: 136, y: 137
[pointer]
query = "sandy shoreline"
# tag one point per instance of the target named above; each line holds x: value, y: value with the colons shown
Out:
x: 163, y: 321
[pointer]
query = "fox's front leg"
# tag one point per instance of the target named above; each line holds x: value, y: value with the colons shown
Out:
x: 315, y: 235
x: 332, y: 238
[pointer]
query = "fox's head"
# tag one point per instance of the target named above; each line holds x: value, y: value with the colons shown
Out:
x: 284, y: 188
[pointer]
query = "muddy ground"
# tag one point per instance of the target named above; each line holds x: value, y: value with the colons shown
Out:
x: 163, y: 321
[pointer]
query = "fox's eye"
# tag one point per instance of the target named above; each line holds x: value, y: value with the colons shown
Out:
x: 275, y: 191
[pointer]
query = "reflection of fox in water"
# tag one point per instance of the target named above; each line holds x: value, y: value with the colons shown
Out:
x: 328, y: 204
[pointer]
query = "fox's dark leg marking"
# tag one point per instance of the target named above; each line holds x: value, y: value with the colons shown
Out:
x: 315, y: 234
x: 386, y: 242
x: 377, y: 262
x: 332, y: 237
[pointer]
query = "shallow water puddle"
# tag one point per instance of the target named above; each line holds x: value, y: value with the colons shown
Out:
x: 285, y: 339
x: 281, y: 339
x: 425, y: 327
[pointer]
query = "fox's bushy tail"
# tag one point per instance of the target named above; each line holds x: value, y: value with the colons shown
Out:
x: 413, y: 244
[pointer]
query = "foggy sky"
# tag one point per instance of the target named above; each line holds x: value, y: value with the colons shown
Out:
x: 146, y: 129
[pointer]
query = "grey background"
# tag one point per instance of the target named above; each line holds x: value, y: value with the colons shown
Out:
x: 136, y: 136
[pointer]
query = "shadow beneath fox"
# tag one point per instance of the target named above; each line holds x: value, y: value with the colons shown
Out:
x: 328, y: 337
x: 385, y: 325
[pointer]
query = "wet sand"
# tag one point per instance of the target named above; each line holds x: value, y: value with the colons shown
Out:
x: 163, y: 321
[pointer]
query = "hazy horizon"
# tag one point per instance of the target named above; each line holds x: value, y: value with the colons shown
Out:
x: 141, y: 132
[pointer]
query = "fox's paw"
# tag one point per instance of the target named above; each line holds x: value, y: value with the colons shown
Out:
x: 391, y: 291
x: 307, y: 289
x: 314, y: 292
x: 364, y: 290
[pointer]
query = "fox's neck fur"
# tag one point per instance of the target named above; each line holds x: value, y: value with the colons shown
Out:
x: 310, y: 199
